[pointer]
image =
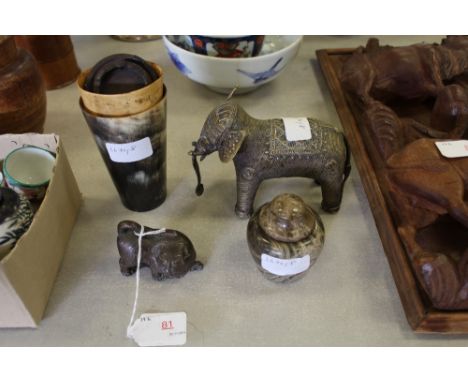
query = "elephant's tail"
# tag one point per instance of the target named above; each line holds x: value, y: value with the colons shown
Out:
x: 347, y: 169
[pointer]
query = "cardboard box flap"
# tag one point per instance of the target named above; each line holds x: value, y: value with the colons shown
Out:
x: 29, y: 270
x: 12, y: 306
x: 9, y: 142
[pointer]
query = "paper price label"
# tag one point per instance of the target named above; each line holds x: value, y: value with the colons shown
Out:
x: 285, y: 267
x: 453, y: 149
x: 160, y: 329
x: 130, y: 152
x: 297, y: 129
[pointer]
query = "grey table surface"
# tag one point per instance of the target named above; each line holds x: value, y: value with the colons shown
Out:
x: 347, y: 299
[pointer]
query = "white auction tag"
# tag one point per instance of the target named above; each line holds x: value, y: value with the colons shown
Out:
x: 453, y: 149
x: 285, y: 267
x: 159, y: 329
x: 130, y: 152
x: 297, y: 129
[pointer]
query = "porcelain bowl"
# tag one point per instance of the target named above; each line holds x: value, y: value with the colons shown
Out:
x: 226, y: 46
x: 224, y: 74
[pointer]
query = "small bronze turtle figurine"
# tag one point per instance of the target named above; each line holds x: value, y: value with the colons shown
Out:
x: 168, y: 253
x: 285, y: 238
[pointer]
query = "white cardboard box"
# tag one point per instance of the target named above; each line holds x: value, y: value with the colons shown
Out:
x: 28, y: 272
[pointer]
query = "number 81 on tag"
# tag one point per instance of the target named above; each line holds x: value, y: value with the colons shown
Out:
x: 160, y: 329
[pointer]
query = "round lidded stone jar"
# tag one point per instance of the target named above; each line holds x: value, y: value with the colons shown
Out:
x: 285, y: 238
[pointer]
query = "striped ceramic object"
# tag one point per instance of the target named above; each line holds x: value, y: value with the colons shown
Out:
x: 16, y: 215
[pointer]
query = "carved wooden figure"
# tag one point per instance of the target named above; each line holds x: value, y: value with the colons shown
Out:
x: 260, y: 151
x: 169, y: 254
x: 409, y: 97
x: 425, y: 187
x: 379, y: 76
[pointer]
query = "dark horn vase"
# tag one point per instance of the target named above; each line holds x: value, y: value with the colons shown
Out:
x: 141, y: 183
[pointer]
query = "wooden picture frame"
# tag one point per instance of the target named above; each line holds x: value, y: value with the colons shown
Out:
x: 420, y: 313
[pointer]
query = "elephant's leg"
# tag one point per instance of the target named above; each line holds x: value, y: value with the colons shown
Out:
x: 419, y: 170
x: 358, y: 75
x: 196, y: 266
x: 463, y: 272
x: 332, y: 182
x: 246, y: 191
x: 331, y: 195
x: 247, y: 185
x: 385, y: 127
x: 156, y: 272
x: 125, y: 268
x: 440, y: 278
x: 159, y: 276
x: 447, y: 192
x: 436, y: 272
x: 415, y: 130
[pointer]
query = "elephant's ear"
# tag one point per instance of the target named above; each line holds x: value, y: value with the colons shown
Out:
x: 127, y: 226
x: 231, y: 144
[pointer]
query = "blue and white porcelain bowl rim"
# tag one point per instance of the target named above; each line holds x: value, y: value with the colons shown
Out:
x: 225, y: 36
x: 12, y: 180
x: 238, y: 59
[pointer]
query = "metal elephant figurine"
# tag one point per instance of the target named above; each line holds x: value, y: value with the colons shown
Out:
x: 260, y: 150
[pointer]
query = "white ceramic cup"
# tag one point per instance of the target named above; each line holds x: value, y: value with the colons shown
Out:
x: 28, y: 170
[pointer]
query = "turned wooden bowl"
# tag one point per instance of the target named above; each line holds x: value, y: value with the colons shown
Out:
x: 22, y: 91
x: 55, y: 58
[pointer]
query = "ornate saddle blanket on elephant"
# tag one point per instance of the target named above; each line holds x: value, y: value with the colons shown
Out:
x: 321, y: 133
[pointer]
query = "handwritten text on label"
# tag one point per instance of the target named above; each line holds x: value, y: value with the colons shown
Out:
x: 130, y: 152
x: 160, y: 329
x: 285, y: 267
x: 453, y: 149
x: 297, y: 129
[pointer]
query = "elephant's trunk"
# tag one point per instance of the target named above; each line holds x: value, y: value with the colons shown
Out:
x: 199, y: 189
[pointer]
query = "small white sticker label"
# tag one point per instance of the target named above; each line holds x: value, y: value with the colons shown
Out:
x: 159, y: 329
x: 297, y: 129
x: 285, y: 267
x: 453, y: 149
x: 130, y: 152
